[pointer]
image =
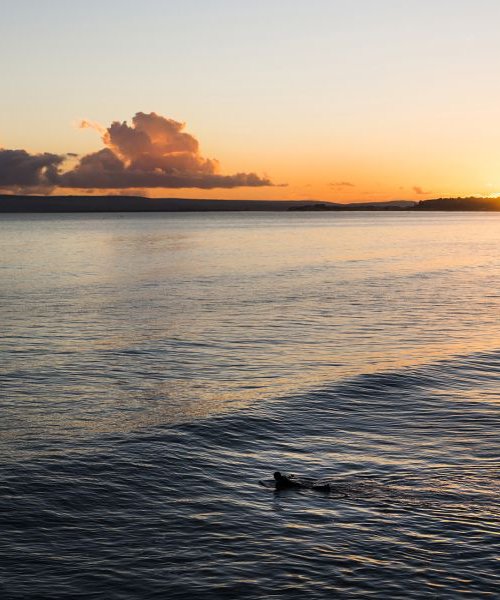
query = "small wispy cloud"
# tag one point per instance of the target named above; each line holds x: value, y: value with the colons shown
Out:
x: 86, y: 124
x: 341, y: 184
x: 418, y: 190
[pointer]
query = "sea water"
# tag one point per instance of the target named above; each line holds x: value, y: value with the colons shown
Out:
x: 155, y: 367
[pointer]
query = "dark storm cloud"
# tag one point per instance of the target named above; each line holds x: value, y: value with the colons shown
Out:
x: 152, y: 152
x: 19, y: 169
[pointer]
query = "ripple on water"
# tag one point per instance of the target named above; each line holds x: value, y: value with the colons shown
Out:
x: 178, y: 508
x: 157, y: 367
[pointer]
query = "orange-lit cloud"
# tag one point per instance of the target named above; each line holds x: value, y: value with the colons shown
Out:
x: 152, y: 152
x: 86, y: 124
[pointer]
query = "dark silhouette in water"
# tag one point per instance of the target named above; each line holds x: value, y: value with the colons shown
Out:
x: 284, y: 482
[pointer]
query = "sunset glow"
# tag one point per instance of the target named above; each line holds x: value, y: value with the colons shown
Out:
x: 335, y: 101
x: 250, y: 266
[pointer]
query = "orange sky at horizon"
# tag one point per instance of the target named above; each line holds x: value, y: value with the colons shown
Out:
x: 344, y: 173
x: 339, y: 102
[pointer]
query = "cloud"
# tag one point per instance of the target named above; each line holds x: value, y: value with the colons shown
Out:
x: 20, y: 170
x: 418, y: 190
x: 86, y: 124
x: 153, y: 151
x: 341, y: 184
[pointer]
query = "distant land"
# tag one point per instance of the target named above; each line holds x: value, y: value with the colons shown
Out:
x: 85, y: 204
x: 390, y: 205
x: 437, y: 204
x: 49, y: 204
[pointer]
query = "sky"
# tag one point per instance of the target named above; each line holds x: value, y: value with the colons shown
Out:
x: 339, y: 100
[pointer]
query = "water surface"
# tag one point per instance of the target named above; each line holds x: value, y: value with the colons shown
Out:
x: 155, y: 367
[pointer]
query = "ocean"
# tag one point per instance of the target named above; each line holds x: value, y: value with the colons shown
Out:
x: 155, y: 367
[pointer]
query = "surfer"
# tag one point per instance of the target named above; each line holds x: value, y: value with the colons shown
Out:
x: 285, y: 482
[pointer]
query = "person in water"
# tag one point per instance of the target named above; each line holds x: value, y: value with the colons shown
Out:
x: 285, y: 482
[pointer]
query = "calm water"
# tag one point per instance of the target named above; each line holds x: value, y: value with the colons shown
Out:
x: 155, y: 367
